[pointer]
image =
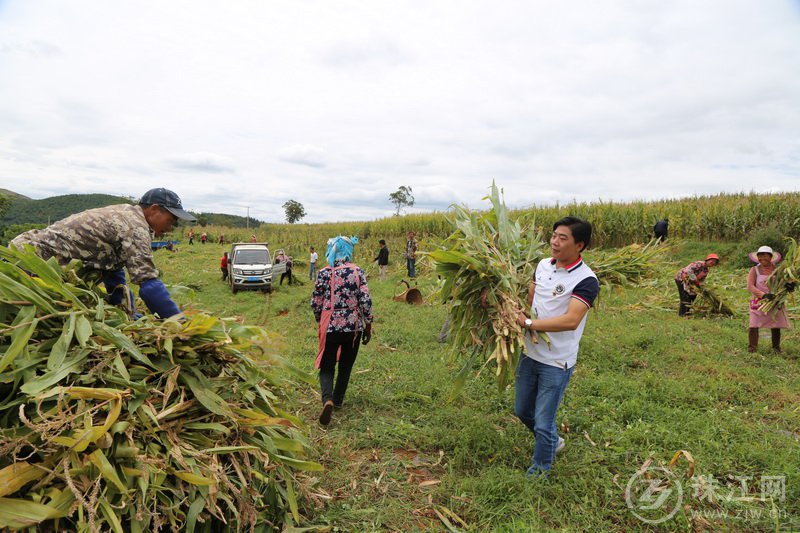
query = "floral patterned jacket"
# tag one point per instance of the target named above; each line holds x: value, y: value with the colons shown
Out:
x: 351, y: 301
x: 692, y: 274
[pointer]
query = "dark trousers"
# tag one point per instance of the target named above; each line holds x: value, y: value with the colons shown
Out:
x: 285, y: 274
x: 349, y: 345
x: 224, y: 273
x: 686, y: 299
x: 753, y: 339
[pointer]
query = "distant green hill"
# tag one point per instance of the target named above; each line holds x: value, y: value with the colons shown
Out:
x: 221, y: 219
x: 12, y: 194
x: 25, y: 211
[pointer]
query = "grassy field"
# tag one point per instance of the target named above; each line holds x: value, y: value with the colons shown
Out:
x: 401, y: 456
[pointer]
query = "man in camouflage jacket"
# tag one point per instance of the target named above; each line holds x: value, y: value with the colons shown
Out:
x: 110, y: 239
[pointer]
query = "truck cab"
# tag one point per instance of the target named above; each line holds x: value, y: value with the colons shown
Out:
x: 250, y: 267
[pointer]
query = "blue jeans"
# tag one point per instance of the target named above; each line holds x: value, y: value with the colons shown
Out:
x: 312, y: 271
x: 539, y: 390
x: 411, y: 264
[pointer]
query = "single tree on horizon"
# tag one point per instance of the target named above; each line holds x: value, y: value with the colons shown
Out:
x: 294, y: 211
x: 402, y: 197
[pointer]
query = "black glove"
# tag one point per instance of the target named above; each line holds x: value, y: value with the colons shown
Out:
x: 769, y: 296
x: 791, y: 286
x: 366, y: 335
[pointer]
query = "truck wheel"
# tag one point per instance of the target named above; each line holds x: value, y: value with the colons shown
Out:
x: 234, y: 290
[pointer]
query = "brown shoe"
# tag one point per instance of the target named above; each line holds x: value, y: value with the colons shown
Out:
x: 325, y: 415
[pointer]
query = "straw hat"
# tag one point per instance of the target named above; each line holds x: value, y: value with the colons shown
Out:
x: 776, y: 256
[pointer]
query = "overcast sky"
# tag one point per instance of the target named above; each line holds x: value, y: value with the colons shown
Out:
x: 336, y: 104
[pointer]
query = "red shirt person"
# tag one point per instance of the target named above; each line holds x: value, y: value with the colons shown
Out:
x: 223, y: 265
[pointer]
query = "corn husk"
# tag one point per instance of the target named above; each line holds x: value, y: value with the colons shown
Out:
x: 487, y: 251
x: 787, y: 271
x: 109, y: 424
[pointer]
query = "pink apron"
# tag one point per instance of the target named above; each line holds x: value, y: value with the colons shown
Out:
x: 759, y: 319
x: 325, y: 318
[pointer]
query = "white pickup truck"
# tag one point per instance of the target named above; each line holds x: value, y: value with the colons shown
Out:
x: 250, y: 267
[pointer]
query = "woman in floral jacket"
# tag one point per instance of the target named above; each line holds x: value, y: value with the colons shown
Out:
x: 690, y: 276
x: 343, y: 309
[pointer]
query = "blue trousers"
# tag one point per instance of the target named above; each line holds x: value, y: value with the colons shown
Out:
x: 411, y: 264
x: 539, y: 389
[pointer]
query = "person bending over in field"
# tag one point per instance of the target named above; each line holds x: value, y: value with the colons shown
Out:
x: 343, y: 309
x: 560, y: 295
x: 661, y: 229
x: 689, y: 277
x: 110, y: 239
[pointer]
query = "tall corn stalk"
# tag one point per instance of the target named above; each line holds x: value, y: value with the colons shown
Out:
x: 108, y: 424
x: 487, y: 252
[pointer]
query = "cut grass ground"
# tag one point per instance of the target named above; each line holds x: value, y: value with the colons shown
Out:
x: 400, y: 456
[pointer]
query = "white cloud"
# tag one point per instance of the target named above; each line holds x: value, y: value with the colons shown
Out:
x: 370, y: 53
x: 308, y: 155
x: 201, y: 162
x: 555, y: 101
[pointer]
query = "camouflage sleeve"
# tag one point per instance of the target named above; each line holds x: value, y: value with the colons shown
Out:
x: 139, y: 255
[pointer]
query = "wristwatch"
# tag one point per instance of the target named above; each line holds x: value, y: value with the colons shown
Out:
x: 528, y: 323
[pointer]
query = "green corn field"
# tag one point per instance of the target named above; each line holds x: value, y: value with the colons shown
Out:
x: 721, y: 217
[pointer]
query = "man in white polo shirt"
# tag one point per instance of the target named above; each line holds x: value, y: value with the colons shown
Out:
x: 560, y: 296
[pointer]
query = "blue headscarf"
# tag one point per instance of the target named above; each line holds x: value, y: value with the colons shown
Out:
x: 340, y: 248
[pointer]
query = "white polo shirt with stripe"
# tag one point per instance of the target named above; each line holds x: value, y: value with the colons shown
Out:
x: 555, y: 289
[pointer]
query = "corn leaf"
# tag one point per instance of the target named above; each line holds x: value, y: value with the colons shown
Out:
x: 17, y: 514
x: 17, y: 475
x: 99, y: 459
x: 111, y: 517
x: 195, y: 479
x: 194, y: 510
x: 83, y: 330
x: 309, y: 466
x: 46, y: 381
x: 120, y: 341
x: 20, y: 337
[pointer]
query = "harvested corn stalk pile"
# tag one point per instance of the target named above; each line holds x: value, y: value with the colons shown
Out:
x: 108, y: 424
x: 487, y: 251
x: 787, y: 272
x: 629, y: 265
x: 711, y: 303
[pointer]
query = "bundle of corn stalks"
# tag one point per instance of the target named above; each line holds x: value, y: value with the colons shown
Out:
x: 629, y: 265
x: 109, y: 424
x: 487, y: 252
x: 713, y: 303
x: 787, y: 271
